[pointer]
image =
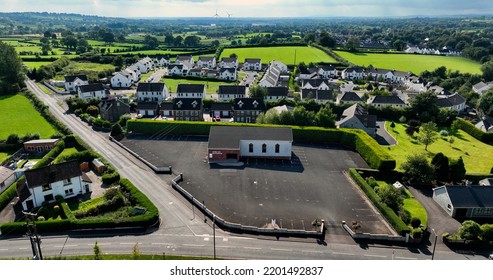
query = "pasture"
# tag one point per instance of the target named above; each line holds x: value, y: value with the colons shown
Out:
x: 20, y: 117
x: 414, y: 63
x: 287, y: 55
x: 36, y: 64
x: 471, y: 150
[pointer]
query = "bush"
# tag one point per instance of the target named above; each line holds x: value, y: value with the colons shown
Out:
x: 9, y: 194
x: 443, y: 133
x: 470, y: 230
x: 371, y: 182
x: 487, y: 232
x: 405, y: 216
x: 13, y: 139
x: 416, y: 233
x: 415, y: 222
x: 110, y: 178
x: 92, y: 110
x: 469, y: 128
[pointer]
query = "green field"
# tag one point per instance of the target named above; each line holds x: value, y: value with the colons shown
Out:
x: 210, y: 87
x: 4, y: 156
x: 472, y: 151
x: 283, y: 54
x: 19, y: 117
x: 414, y: 63
x: 36, y: 64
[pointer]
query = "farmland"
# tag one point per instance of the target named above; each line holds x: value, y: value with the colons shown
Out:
x: 414, y: 63
x: 283, y: 54
x: 19, y: 117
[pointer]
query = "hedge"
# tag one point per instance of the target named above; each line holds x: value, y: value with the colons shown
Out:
x: 388, y: 213
x: 469, y: 128
x: 358, y: 140
x: 51, y: 155
x: 110, y: 178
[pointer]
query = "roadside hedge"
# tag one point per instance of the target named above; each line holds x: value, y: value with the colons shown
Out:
x: 354, y: 139
x: 469, y: 128
x: 110, y: 178
x: 388, y: 213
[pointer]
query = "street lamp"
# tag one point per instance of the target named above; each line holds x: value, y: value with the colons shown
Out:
x: 434, y: 244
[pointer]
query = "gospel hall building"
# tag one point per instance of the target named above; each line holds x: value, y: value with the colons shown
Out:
x: 236, y: 142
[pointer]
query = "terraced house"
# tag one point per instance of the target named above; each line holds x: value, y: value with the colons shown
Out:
x: 151, y: 92
x: 188, y: 109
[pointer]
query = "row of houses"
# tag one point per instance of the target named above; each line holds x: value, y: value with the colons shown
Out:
x: 131, y: 75
x: 443, y: 51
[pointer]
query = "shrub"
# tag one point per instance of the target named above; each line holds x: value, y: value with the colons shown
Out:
x: 372, y: 182
x: 402, y: 119
x: 415, y: 222
x: 110, y: 178
x: 13, y: 139
x: 92, y: 110
x: 110, y: 193
x: 9, y: 194
x: 487, y: 232
x: 416, y: 233
x: 443, y: 133
x: 469, y: 230
x: 405, y: 216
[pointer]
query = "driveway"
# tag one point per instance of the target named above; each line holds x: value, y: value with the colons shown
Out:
x: 383, y: 137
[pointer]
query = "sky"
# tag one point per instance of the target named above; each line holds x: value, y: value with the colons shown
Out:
x: 253, y: 8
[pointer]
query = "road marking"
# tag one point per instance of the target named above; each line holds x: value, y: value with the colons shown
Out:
x: 225, y: 239
x: 404, y: 258
x: 277, y: 249
x: 224, y: 246
x: 375, y: 256
x: 252, y: 248
x: 129, y: 243
x: 22, y: 248
x: 206, y: 239
x: 62, y: 246
x: 165, y: 244
x: 347, y: 254
x: 193, y: 245
x: 4, y: 249
x: 311, y: 252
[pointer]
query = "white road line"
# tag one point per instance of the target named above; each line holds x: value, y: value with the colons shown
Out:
x: 252, y: 248
x: 129, y: 243
x: 22, y: 248
x: 375, y: 256
x: 224, y: 246
x: 4, y: 249
x: 62, y: 246
x: 277, y: 249
x: 165, y: 244
x: 193, y: 245
x: 404, y: 258
x: 347, y: 254
x: 311, y: 252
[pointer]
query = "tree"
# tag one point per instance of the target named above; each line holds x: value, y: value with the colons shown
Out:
x: 485, y: 103
x: 487, y: 69
x: 150, y: 42
x: 116, y: 131
x: 326, y: 40
x: 168, y: 39
x: 391, y: 196
x: 441, y: 166
x: 70, y: 42
x: 325, y: 117
x: 97, y: 251
x: 178, y: 40
x: 352, y: 44
x: 11, y: 70
x: 470, y: 230
x: 415, y: 222
x: 136, y: 251
x: 92, y: 110
x: 302, y: 117
x: 191, y: 41
x: 454, y: 127
x: 457, y: 170
x: 392, y: 125
x: 399, y: 44
x: 258, y: 92
x: 45, y: 45
x: 487, y: 232
x: 417, y: 170
x: 428, y: 134
x: 424, y: 106
x: 310, y: 37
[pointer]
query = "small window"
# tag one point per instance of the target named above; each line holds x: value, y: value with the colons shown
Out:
x: 49, y: 198
x: 67, y: 181
x: 264, y: 148
x: 250, y: 148
x: 449, y: 207
x: 277, y: 148
x: 69, y: 192
x: 46, y: 187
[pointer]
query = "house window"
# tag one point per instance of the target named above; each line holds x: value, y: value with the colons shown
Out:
x: 69, y: 192
x: 264, y: 148
x: 46, y: 187
x: 449, y: 207
x: 67, y: 181
x: 250, y: 148
x: 277, y: 148
x: 48, y: 198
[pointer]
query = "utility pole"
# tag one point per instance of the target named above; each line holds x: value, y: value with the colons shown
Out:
x: 32, y: 232
x: 214, y: 233
x: 434, y: 244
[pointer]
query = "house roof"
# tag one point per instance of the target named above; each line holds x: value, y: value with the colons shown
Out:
x: 151, y: 87
x: 22, y: 190
x: 369, y: 121
x: 443, y: 103
x: 91, y: 87
x: 173, y: 65
x: 52, y: 173
x: 456, y: 99
x: 5, y: 173
x: 229, y: 59
x: 277, y: 91
x: 248, y: 104
x: 315, y: 82
x: 190, y: 88
x: 221, y: 106
x: 184, y: 57
x: 325, y: 94
x: 350, y: 96
x: 42, y: 141
x: 485, y: 124
x: 105, y: 105
x: 72, y: 78
x: 167, y: 106
x: 230, y: 90
x: 355, y: 109
x: 354, y: 69
x: 230, y: 70
x: 253, y: 60
x: 165, y: 57
x: 147, y: 106
x: 470, y: 196
x: 187, y: 104
x: 327, y: 67
x: 206, y: 58
x: 385, y: 99
x: 229, y: 137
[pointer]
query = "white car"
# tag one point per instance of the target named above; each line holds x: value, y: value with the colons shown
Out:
x: 491, y: 256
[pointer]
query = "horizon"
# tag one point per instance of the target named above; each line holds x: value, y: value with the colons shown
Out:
x: 243, y: 9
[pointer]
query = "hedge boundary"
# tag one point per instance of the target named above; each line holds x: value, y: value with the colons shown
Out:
x: 469, y: 128
x: 387, y: 213
x: 354, y: 139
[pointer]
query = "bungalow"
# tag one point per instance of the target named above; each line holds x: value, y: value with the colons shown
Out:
x: 112, y: 109
x: 482, y: 87
x: 465, y: 202
x: 151, y: 92
x: 454, y: 102
x: 486, y: 124
x: 92, y: 91
x: 227, y: 74
x: 72, y: 82
x: 7, y: 178
x: 348, y: 97
x: 122, y: 79
x: 247, y: 109
x: 40, y: 146
x: 386, y: 100
x: 252, y: 64
x: 191, y: 91
x: 226, y: 93
x: 148, y: 109
x: 221, y: 109
x: 228, y: 62
x: 163, y: 61
x: 206, y: 62
x: 234, y: 143
x: 45, y: 183
x: 276, y: 93
x: 353, y: 73
x: 357, y: 117
x: 188, y: 109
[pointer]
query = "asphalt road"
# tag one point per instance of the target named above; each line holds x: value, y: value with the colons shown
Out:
x: 184, y: 232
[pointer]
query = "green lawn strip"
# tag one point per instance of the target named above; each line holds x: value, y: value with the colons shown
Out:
x: 4, y: 156
x: 412, y: 62
x: 416, y: 209
x: 145, y: 76
x: 19, y: 117
x: 128, y: 257
x: 67, y: 152
x: 288, y: 55
x: 85, y: 205
x: 44, y: 88
x: 472, y: 151
x: 210, y: 87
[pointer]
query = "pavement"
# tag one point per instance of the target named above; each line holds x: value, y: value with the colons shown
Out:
x: 383, y: 137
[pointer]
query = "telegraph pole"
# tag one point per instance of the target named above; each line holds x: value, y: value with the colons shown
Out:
x: 32, y: 232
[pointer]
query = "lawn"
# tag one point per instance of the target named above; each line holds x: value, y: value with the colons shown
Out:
x: 20, y: 117
x: 210, y: 87
x: 36, y: 64
x: 284, y: 54
x: 3, y: 156
x: 472, y: 151
x: 414, y: 63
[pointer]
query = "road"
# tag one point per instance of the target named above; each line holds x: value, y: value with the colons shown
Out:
x: 183, y: 231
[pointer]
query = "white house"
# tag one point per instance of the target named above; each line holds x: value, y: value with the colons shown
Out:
x: 327, y: 71
x: 226, y: 93
x: 227, y: 74
x: 482, y: 87
x: 206, y: 62
x: 185, y: 59
x: 145, y: 65
x: 320, y: 84
x: 92, y: 91
x: 348, y: 97
x: 134, y: 71
x: 122, y: 79
x: 72, y: 82
x: 228, y: 62
x: 465, y: 202
x: 235, y: 143
x: 252, y: 64
x: 272, y: 77
x: 151, y: 92
x: 190, y: 91
x: 178, y: 69
x: 357, y: 117
x: 353, y: 73
x: 454, y: 102
x: 386, y: 100
x: 276, y: 93
x: 163, y: 61
x: 45, y: 183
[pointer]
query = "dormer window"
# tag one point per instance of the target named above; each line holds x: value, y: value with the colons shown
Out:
x: 240, y: 104
x: 194, y: 104
x: 255, y: 103
x: 179, y: 103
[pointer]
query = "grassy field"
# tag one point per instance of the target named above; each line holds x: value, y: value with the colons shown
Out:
x: 412, y: 62
x: 284, y: 54
x: 210, y: 87
x: 36, y: 64
x: 3, y: 156
x: 19, y: 116
x: 472, y: 151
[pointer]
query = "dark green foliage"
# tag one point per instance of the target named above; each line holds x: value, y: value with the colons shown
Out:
x: 405, y: 216
x: 100, y: 123
x: 11, y: 71
x: 457, y: 170
x: 417, y: 171
x: 440, y: 164
x: 110, y: 178
x: 92, y: 110
x: 485, y: 103
x: 487, y: 232
x: 84, y: 156
x: 469, y: 230
x: 390, y: 196
x: 469, y: 128
x: 388, y: 213
x: 372, y: 182
x: 415, y: 222
x: 116, y: 131
x: 416, y: 233
x: 9, y: 194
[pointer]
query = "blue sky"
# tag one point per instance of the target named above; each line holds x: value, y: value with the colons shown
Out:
x: 252, y: 8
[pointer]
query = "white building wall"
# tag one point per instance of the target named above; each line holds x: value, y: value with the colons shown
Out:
x: 118, y: 80
x: 284, y: 149
x: 58, y: 188
x: 440, y: 196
